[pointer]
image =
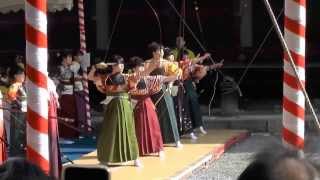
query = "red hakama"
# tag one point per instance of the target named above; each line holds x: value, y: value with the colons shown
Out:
x: 146, y: 120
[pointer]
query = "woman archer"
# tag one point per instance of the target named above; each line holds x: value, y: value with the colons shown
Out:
x: 192, y: 71
x: 146, y: 119
x: 163, y: 100
x: 117, y: 142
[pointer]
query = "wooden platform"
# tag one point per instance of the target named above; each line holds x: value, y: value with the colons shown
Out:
x: 178, y: 162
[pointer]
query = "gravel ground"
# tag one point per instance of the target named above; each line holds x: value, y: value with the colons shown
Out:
x: 236, y: 159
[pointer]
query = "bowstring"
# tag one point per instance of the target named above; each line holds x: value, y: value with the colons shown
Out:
x: 199, y: 43
x: 113, y: 29
x: 215, y: 83
x: 157, y: 18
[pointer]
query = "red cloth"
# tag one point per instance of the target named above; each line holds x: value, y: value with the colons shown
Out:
x: 186, y: 71
x: 147, y: 127
x: 190, y: 70
x: 55, y: 159
x: 3, y: 147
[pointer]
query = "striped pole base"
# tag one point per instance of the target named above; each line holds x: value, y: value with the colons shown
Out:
x: 293, y: 98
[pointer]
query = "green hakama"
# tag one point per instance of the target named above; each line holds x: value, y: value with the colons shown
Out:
x: 117, y: 141
x: 194, y: 106
x: 167, y: 116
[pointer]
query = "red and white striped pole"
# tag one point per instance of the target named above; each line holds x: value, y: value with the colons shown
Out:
x: 83, y: 49
x: 36, y: 83
x: 293, y: 97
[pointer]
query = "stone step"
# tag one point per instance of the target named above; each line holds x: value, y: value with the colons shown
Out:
x: 271, y: 123
x: 252, y: 121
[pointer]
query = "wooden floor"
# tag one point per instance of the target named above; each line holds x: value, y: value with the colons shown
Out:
x: 178, y: 162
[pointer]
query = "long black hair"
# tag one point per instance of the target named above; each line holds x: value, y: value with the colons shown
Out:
x: 117, y: 59
x: 63, y: 55
x: 167, y: 52
x: 153, y: 47
x: 134, y: 62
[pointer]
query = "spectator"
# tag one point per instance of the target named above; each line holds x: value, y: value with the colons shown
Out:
x: 17, y: 97
x: 279, y: 164
x: 21, y: 169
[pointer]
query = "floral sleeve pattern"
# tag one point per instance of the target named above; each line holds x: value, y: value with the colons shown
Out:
x: 154, y: 83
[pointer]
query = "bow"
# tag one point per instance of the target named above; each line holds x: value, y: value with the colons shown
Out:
x: 117, y: 19
x: 157, y: 18
x: 113, y: 29
x: 234, y: 84
x: 215, y: 82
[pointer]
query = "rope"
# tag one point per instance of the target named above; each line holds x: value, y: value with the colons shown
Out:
x: 258, y: 50
x: 14, y: 148
x: 196, y: 39
x: 285, y: 47
x: 196, y: 8
x: 205, y: 50
x: 83, y: 49
x: 61, y: 120
x: 162, y: 95
x: 214, y: 92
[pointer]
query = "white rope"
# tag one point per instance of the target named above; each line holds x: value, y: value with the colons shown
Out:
x: 285, y: 47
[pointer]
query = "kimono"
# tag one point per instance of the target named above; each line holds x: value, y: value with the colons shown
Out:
x: 79, y: 96
x: 117, y: 141
x: 67, y: 112
x: 164, y: 104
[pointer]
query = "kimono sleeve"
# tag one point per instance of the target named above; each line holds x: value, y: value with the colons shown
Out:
x: 154, y: 83
x: 12, y: 92
x: 172, y: 69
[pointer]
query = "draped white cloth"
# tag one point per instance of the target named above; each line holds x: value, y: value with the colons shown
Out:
x: 16, y: 5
